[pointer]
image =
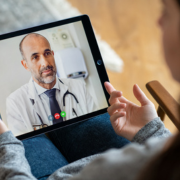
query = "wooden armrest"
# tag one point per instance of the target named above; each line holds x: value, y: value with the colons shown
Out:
x: 167, y: 103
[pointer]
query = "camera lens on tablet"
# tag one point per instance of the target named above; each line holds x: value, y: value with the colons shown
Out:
x: 99, y: 62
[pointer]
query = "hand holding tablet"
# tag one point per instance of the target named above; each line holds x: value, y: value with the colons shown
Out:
x: 61, y: 81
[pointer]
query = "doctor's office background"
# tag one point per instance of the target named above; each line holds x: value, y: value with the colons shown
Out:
x: 127, y: 31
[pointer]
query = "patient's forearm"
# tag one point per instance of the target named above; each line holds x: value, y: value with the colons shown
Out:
x: 13, y: 164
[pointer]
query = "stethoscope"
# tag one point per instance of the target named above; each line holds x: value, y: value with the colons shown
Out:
x: 64, y: 104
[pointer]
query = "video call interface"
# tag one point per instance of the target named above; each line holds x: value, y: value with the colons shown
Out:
x: 48, y: 77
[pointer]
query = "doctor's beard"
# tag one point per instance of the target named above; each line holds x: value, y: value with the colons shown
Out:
x: 49, y: 78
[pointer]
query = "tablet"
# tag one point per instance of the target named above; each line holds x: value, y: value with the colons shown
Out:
x: 52, y: 76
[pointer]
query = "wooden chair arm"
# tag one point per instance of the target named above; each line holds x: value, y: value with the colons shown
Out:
x: 166, y: 102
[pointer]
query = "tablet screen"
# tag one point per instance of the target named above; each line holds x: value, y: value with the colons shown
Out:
x: 48, y: 77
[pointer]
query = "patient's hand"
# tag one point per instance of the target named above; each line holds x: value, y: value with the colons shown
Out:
x: 3, y: 127
x: 126, y: 117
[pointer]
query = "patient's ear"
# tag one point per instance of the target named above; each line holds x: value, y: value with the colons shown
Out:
x: 24, y: 63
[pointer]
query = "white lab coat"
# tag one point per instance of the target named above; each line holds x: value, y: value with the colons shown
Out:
x: 22, y: 114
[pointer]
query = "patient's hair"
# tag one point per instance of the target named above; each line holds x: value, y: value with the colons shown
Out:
x: 20, y: 44
x: 178, y: 1
x: 165, y: 165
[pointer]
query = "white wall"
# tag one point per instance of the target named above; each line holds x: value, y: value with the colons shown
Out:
x: 13, y: 75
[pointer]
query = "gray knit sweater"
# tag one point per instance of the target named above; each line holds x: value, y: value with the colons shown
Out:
x: 125, y: 163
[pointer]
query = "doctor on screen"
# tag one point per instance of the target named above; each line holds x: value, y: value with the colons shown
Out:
x: 46, y: 99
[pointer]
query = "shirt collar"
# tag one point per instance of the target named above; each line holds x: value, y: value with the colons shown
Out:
x: 41, y: 90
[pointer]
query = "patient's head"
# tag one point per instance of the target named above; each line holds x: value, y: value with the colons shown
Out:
x: 170, y: 25
x: 38, y: 58
x: 166, y: 165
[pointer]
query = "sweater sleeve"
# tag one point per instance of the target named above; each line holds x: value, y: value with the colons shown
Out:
x: 154, y: 128
x: 13, y: 164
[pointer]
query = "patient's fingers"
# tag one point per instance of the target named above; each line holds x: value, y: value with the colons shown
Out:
x: 117, y: 115
x: 114, y: 94
x: 114, y: 97
x: 123, y: 99
x: 109, y: 87
x: 116, y: 107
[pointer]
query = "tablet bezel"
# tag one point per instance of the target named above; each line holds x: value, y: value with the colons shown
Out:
x: 96, y: 56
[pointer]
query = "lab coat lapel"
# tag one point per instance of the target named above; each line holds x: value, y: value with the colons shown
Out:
x: 37, y: 104
x: 63, y: 87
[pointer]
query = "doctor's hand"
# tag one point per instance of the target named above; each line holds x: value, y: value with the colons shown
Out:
x: 3, y: 127
x: 126, y: 117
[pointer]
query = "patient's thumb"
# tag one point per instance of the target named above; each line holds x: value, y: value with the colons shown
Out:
x: 140, y: 96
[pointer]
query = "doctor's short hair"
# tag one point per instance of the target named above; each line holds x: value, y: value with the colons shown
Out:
x: 20, y: 44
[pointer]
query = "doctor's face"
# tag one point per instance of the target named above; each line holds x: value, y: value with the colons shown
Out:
x: 39, y: 59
